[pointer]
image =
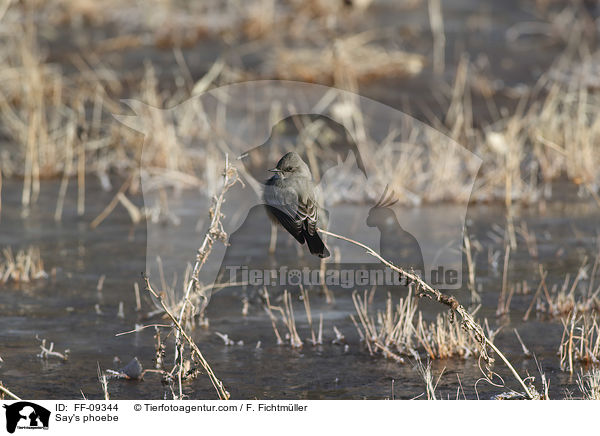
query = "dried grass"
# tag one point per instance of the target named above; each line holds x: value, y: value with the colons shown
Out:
x: 580, y: 341
x: 47, y: 352
x: 4, y: 391
x: 589, y: 384
x: 550, y: 134
x: 427, y: 375
x: 288, y: 318
x: 353, y: 58
x: 467, y: 321
x: 399, y: 331
x: 193, y: 301
x: 22, y: 267
x: 571, y: 296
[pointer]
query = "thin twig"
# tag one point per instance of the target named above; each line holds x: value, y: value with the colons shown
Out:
x: 112, y: 204
x: 7, y: 392
x: 218, y: 384
x: 423, y: 289
x: 215, y: 232
x: 0, y: 193
x: 103, y: 382
x: 140, y: 328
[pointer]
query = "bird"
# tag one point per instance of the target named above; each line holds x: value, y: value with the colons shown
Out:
x: 292, y: 200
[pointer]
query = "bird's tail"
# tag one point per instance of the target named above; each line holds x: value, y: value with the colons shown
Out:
x: 316, y: 245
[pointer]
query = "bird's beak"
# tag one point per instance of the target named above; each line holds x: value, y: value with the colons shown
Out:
x: 275, y: 170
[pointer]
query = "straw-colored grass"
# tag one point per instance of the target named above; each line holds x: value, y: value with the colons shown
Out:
x: 59, y: 124
x: 399, y: 331
x: 580, y: 341
x: 184, y: 311
x: 5, y: 392
x: 354, y: 57
x: 573, y: 295
x: 589, y: 384
x: 22, y: 267
x: 288, y: 319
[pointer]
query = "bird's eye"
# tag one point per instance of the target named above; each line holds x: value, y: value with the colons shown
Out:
x: 288, y: 169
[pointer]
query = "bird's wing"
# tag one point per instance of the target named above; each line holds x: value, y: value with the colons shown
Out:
x: 283, y: 204
x: 308, y: 212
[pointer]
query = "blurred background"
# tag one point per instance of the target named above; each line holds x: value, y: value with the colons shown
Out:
x: 515, y: 82
x: 512, y: 81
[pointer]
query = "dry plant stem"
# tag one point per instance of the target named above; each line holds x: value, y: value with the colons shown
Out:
x: 218, y: 385
x: 80, y: 177
x: 269, y: 310
x: 104, y: 383
x: 306, y: 301
x: 9, y: 393
x: 475, y: 297
x: 526, y: 351
x: 273, y: 240
x: 502, y: 309
x: 329, y: 297
x: 138, y: 300
x: 0, y: 194
x: 215, y: 232
x: 543, y: 275
x: 134, y: 212
x: 290, y: 320
x: 139, y: 329
x: 26, y: 197
x: 66, y: 175
x: 47, y: 352
x: 113, y: 203
x: 436, y: 21
x: 423, y: 289
x: 580, y: 341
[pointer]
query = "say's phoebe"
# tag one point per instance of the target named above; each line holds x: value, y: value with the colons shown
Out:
x: 292, y: 200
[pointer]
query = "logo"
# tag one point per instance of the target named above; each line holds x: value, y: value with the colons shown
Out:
x: 26, y: 415
x: 372, y: 165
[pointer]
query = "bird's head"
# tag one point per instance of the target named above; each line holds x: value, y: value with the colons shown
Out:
x: 291, y: 164
x: 381, y: 215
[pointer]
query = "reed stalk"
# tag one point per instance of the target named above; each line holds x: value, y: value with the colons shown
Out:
x: 468, y: 323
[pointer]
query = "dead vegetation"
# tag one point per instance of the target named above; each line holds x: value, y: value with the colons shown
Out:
x: 5, y: 392
x: 182, y: 312
x: 400, y: 331
x: 58, y: 124
x: 48, y: 351
x: 580, y: 341
x: 23, y: 267
x: 288, y: 319
x: 572, y: 296
x: 352, y: 57
x: 427, y: 375
x: 467, y: 323
x: 589, y: 384
x: 556, y: 297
